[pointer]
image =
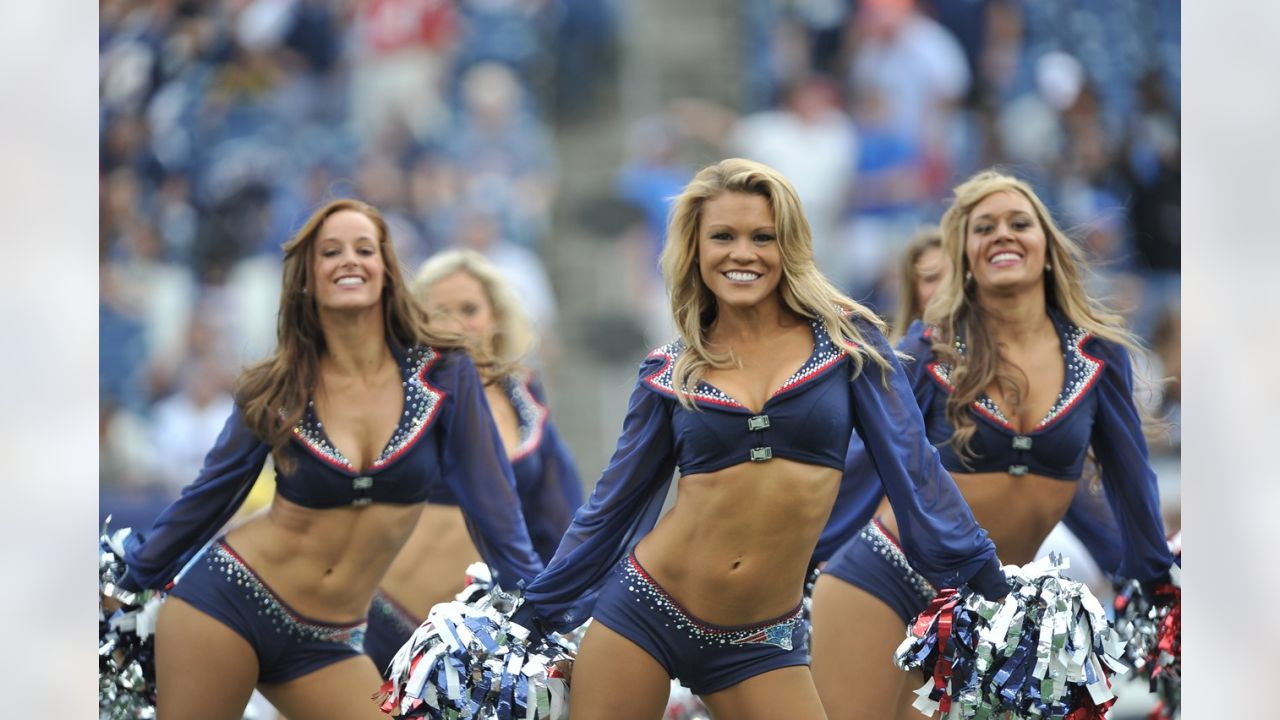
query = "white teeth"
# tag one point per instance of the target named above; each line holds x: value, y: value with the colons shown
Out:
x: 739, y: 276
x: 1001, y: 257
x: 350, y: 281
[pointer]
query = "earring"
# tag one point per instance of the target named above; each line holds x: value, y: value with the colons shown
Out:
x: 1048, y: 267
x: 968, y: 276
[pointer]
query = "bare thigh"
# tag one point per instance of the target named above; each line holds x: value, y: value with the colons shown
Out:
x: 615, y: 679
x: 786, y: 692
x: 204, y: 670
x: 344, y: 690
x: 907, y: 696
x: 854, y: 637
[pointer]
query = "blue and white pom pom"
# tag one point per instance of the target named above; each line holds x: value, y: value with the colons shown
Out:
x: 1150, y: 623
x: 126, y: 639
x: 479, y: 583
x: 1045, y: 650
x: 468, y: 660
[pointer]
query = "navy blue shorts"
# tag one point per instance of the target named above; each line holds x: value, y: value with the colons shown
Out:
x: 706, y: 658
x: 390, y: 627
x: 874, y: 561
x: 288, y: 645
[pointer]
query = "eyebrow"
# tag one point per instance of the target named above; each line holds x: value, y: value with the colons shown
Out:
x: 725, y: 226
x: 989, y: 216
x: 332, y: 239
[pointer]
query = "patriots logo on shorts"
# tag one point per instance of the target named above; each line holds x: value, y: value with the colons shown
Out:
x: 778, y: 635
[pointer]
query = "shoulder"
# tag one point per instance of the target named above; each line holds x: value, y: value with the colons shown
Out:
x: 845, y: 318
x: 917, y: 342
x: 656, y: 369
x: 420, y: 350
x: 430, y: 355
x: 438, y: 365
x: 1108, y: 353
x: 1091, y: 358
x: 526, y: 378
x: 870, y: 331
x: 1087, y: 347
x: 866, y: 336
x: 664, y: 354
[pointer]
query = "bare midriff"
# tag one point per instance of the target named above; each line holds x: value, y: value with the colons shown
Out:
x: 1018, y: 513
x: 431, y: 567
x: 324, y: 563
x: 734, y: 548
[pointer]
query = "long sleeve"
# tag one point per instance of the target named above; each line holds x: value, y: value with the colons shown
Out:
x: 479, y: 476
x: 1090, y: 519
x: 155, y: 557
x: 860, y: 487
x: 1127, y: 477
x: 918, y: 348
x: 856, y: 502
x: 552, y: 498
x: 623, y: 507
x: 939, y: 534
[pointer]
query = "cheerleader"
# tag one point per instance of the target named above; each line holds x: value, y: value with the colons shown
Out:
x: 465, y: 294
x: 1019, y: 375
x: 754, y: 404
x: 920, y: 273
x: 366, y: 411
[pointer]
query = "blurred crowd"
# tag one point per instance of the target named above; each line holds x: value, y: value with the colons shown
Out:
x: 875, y: 109
x: 223, y: 123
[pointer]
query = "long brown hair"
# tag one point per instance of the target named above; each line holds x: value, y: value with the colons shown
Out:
x: 273, y: 393
x: 954, y: 308
x: 804, y: 289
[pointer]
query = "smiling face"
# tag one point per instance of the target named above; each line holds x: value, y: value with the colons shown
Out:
x: 1005, y: 243
x: 738, y: 255
x: 347, y: 269
x: 458, y: 302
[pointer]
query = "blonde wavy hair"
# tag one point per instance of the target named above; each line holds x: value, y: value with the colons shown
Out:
x: 954, y: 306
x: 803, y: 288
x: 512, y: 337
x: 273, y: 393
x: 909, y: 307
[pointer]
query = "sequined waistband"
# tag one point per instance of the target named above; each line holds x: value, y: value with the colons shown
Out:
x: 224, y: 559
x: 634, y: 571
x: 385, y: 606
x: 886, y: 545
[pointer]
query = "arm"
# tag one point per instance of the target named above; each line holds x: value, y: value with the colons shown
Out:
x: 479, y: 476
x: 1127, y: 476
x: 153, y: 559
x: 939, y: 534
x: 856, y: 502
x: 624, y: 505
x: 1090, y: 519
x: 860, y: 487
x: 549, y: 503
